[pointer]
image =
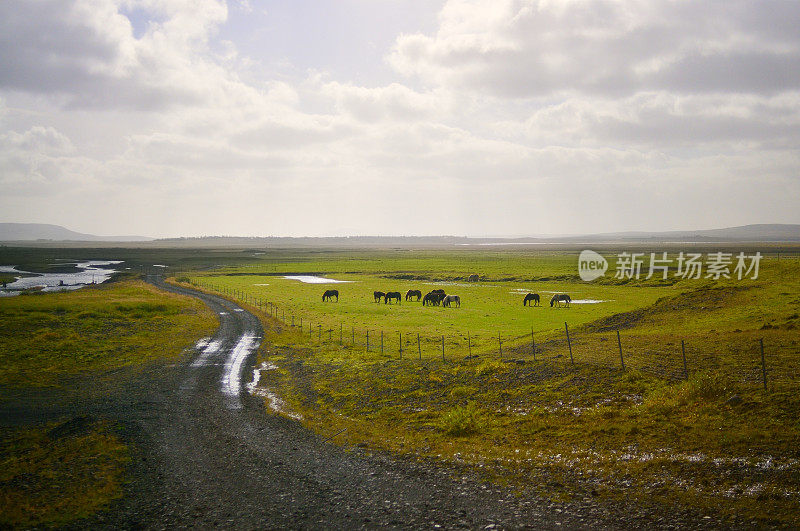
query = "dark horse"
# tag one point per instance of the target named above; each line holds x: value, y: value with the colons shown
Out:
x: 433, y: 298
x: 378, y: 295
x: 558, y: 298
x: 330, y: 294
x: 413, y: 293
x: 391, y: 295
x: 531, y: 297
x: 448, y: 299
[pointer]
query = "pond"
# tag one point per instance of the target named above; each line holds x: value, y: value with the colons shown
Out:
x: 309, y: 279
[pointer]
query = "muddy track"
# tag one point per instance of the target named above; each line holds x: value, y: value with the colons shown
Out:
x: 205, y: 457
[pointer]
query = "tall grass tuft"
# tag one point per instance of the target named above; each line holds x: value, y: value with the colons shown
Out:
x: 462, y: 420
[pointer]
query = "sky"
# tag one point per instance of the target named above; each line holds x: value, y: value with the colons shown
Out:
x: 390, y: 117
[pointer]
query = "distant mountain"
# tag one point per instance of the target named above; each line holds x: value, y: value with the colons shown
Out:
x: 43, y: 231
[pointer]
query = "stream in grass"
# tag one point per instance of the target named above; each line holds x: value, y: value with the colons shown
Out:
x: 88, y: 272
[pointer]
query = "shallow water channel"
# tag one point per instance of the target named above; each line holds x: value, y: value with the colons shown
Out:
x: 89, y: 272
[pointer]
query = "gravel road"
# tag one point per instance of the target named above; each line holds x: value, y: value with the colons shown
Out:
x: 205, y: 456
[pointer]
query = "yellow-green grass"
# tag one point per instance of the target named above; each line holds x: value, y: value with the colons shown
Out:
x: 59, y: 473
x: 716, y: 442
x: 51, y: 476
x: 47, y: 336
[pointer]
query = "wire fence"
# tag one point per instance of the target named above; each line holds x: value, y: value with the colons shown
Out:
x: 754, y: 358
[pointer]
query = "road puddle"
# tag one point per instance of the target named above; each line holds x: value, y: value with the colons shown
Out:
x: 273, y: 401
x: 232, y: 375
x: 209, y: 348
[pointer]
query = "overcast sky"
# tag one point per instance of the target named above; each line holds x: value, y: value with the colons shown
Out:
x: 392, y: 117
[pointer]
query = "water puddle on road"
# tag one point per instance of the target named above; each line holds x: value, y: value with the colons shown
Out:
x: 274, y: 403
x: 232, y: 375
x: 209, y: 348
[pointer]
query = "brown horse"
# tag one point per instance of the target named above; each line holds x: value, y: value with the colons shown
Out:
x: 531, y: 297
x: 558, y: 298
x: 392, y: 295
x: 378, y: 295
x: 328, y: 295
x: 413, y: 293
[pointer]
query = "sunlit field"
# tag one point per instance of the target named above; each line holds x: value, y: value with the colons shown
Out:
x: 679, y: 408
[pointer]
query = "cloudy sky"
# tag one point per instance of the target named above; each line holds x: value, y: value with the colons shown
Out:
x: 398, y: 117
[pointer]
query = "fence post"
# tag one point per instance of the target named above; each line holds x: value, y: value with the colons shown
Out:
x: 533, y: 345
x: 683, y: 351
x: 354, y: 337
x: 330, y: 338
x: 621, y: 359
x: 419, y: 348
x: 367, y: 340
x: 381, y: 342
x: 442, y: 348
x: 571, y: 360
x: 763, y: 363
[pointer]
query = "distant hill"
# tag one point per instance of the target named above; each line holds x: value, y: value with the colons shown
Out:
x: 42, y: 234
x: 744, y: 233
x: 43, y: 231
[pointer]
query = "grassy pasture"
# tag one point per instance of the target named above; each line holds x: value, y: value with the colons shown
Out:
x: 715, y: 441
x: 488, y: 307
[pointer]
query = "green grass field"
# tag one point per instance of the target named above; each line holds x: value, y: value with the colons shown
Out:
x: 712, y: 439
x: 48, y: 336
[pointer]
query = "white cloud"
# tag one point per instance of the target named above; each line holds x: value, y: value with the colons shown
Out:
x: 530, y: 48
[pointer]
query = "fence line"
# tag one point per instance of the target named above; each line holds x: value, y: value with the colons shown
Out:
x: 746, y: 359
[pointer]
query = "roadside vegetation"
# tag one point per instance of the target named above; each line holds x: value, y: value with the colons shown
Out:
x: 709, y: 437
x: 64, y: 345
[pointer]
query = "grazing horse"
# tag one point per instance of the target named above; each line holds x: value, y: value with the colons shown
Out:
x: 531, y: 297
x: 448, y: 299
x: 378, y: 295
x: 413, y: 293
x: 558, y: 298
x: 429, y: 299
x: 433, y: 298
x: 330, y: 294
x: 391, y: 295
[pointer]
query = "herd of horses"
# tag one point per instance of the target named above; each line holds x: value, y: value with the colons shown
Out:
x: 438, y: 297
